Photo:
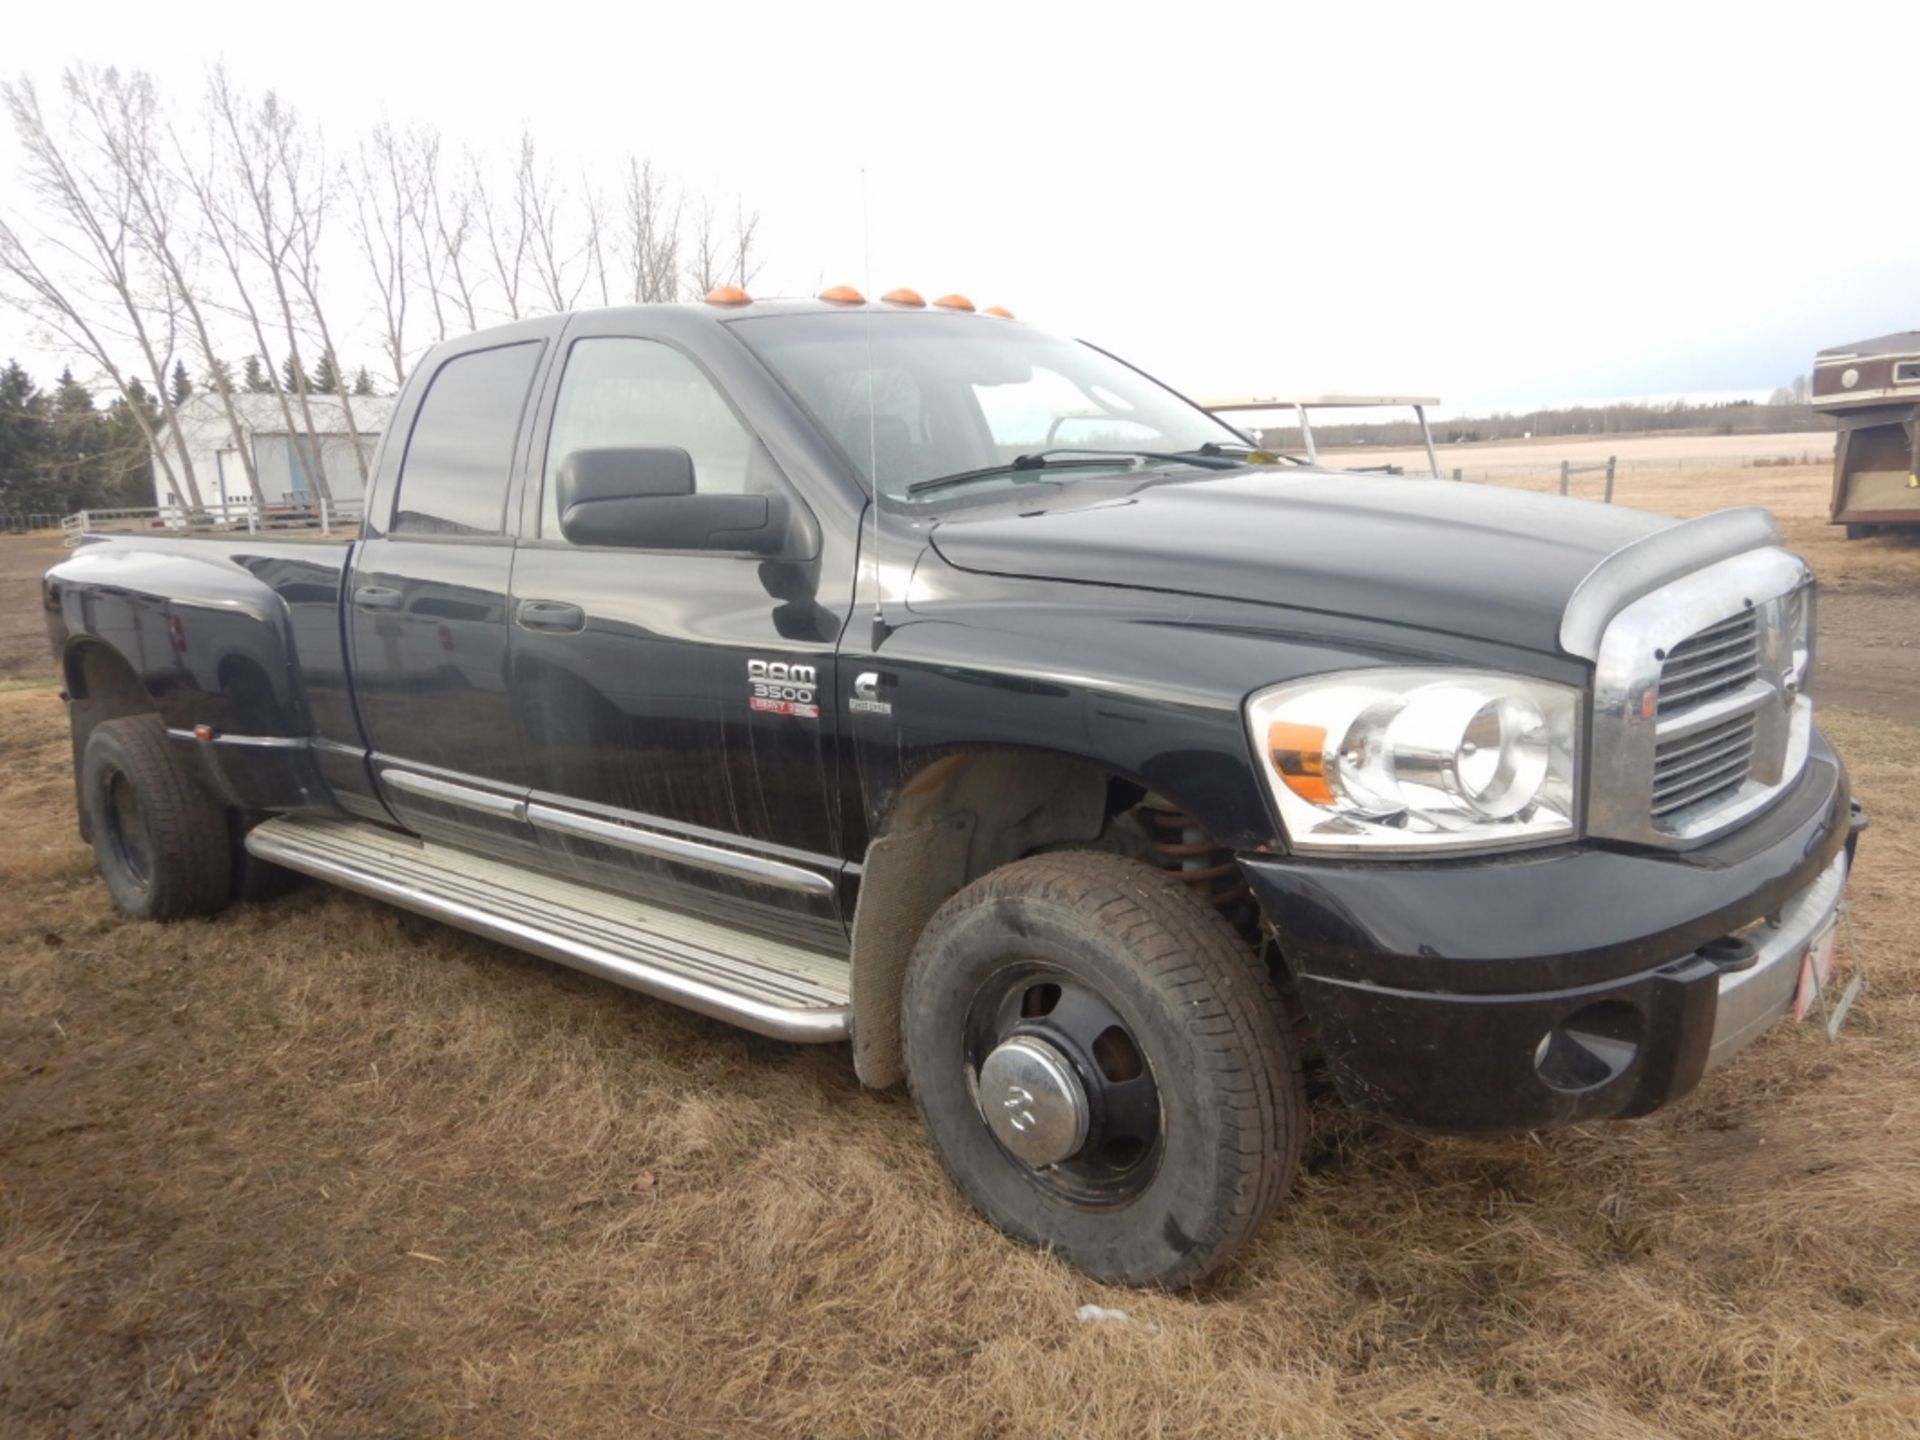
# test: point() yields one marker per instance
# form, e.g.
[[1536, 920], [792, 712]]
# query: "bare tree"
[[745, 226], [210, 183], [508, 227], [594, 248], [707, 266], [541, 206], [125, 113], [309, 189], [259, 142], [96, 212], [652, 234], [445, 226], [387, 202]]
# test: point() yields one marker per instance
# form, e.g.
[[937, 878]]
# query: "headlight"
[[1412, 760]]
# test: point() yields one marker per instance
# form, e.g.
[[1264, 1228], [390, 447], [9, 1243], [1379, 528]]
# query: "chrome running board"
[[762, 985]]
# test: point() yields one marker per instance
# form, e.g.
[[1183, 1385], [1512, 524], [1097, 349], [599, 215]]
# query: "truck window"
[[620, 392], [453, 480]]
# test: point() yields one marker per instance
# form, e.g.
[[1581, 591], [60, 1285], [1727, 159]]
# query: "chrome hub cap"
[[1033, 1102]]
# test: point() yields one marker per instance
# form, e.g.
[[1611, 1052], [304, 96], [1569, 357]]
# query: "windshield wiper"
[[1061, 458]]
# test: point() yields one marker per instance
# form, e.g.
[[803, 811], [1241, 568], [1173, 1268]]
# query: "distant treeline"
[[1734, 417]]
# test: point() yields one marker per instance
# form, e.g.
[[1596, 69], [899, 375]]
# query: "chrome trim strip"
[[426, 787], [1650, 562], [262, 742], [662, 846], [807, 1026], [1753, 998], [1717, 711]]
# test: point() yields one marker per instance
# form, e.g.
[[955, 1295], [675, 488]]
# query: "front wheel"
[[160, 839], [1101, 1065]]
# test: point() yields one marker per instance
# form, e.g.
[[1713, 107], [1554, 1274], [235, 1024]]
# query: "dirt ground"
[[321, 1168]]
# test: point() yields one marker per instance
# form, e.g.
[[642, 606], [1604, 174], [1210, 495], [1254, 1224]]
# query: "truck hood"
[[1466, 559]]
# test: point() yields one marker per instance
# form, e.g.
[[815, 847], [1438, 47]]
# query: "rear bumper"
[[1540, 990]]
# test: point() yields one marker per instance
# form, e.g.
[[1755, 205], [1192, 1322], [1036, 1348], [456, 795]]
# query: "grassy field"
[[324, 1168]]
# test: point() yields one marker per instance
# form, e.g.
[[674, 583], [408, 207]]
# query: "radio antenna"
[[880, 627]]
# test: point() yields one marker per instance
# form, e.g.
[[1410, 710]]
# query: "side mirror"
[[643, 498]]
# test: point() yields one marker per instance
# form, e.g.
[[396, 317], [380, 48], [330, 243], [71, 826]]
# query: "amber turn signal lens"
[[954, 302], [903, 296], [843, 295], [728, 295], [1299, 755]]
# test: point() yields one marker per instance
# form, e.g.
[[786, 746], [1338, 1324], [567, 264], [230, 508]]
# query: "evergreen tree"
[[23, 446], [77, 444], [326, 375], [128, 463], [219, 376], [293, 379], [182, 387], [362, 382], [255, 378]]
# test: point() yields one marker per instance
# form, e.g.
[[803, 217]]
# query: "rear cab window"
[[459, 457]]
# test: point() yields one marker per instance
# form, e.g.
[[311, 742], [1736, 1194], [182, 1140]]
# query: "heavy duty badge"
[[783, 689]]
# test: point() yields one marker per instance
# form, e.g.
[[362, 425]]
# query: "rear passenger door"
[[427, 601]]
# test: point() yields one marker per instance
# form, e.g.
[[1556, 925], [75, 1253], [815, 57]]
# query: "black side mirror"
[[643, 498]]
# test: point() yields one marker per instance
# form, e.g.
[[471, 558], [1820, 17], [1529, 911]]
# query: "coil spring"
[[1178, 843]]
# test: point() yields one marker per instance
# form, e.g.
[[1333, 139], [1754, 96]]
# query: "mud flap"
[[908, 876]]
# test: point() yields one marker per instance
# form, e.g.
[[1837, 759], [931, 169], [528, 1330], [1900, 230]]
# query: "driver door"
[[674, 704]]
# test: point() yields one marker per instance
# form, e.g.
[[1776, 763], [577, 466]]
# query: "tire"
[[1056, 945], [161, 841]]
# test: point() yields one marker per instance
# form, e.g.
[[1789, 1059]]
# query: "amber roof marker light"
[[728, 295], [903, 296], [953, 302], [1000, 311], [842, 295]]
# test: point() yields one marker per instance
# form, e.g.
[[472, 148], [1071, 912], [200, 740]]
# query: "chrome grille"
[[1707, 765], [1700, 717], [1715, 661]]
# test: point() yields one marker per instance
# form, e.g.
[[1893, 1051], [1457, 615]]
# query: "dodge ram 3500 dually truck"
[[902, 674]]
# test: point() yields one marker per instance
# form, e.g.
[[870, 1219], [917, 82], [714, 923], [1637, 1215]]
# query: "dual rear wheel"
[[167, 849]]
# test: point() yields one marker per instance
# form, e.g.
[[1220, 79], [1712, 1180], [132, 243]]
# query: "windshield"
[[952, 394]]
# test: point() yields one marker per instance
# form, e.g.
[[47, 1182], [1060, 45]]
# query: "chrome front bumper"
[[1752, 999]]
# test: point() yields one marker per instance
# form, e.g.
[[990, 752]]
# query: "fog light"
[[1591, 1047]]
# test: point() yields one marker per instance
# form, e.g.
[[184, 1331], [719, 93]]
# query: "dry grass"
[[322, 1168]]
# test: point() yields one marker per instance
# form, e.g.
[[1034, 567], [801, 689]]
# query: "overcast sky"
[[1505, 208]]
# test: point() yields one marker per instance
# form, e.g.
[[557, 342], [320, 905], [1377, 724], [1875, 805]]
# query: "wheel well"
[[954, 820], [101, 686]]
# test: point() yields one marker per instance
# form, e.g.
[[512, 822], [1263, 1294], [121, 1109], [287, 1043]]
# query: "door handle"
[[377, 597], [551, 615]]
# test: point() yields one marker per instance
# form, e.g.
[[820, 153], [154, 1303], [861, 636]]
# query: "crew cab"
[[904, 675]]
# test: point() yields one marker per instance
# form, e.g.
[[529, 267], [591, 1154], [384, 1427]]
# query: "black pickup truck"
[[899, 674]]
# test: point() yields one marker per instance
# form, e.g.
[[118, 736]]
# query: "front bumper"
[[1533, 990]]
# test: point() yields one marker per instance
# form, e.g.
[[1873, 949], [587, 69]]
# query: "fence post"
[[1566, 475], [323, 516], [1610, 462]]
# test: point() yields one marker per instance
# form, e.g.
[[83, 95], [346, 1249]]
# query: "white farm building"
[[284, 462]]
